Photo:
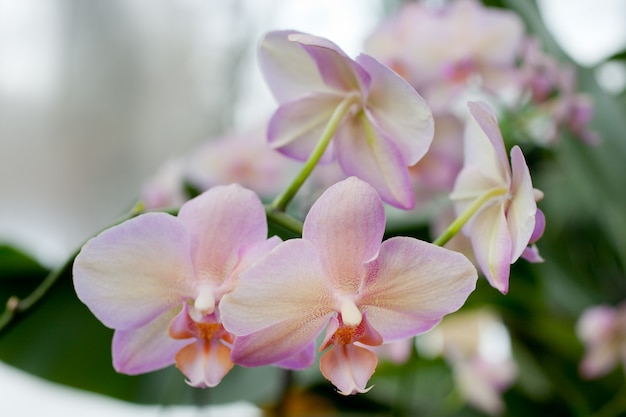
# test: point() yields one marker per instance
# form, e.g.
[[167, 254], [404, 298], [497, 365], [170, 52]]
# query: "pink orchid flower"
[[507, 221], [443, 49], [602, 329], [385, 128], [157, 280], [341, 276]]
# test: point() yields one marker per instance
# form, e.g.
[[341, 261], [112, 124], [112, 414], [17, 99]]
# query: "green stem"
[[281, 202], [16, 307], [284, 220], [464, 217]]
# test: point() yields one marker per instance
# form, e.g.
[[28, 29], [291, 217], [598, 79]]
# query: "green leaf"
[[15, 264]]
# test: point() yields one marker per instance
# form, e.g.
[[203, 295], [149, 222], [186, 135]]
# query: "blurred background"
[[96, 96]]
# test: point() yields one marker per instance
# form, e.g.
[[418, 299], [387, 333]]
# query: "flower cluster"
[[211, 287], [462, 48]]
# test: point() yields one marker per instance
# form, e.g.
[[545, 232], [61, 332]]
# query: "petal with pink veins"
[[130, 274], [346, 226], [296, 301], [221, 221], [412, 284]]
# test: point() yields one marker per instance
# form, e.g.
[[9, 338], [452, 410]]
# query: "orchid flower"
[[157, 280], [602, 329], [444, 49], [477, 346], [379, 123], [500, 196], [340, 275]]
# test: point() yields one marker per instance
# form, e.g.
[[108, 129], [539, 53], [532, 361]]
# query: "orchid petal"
[[599, 360], [348, 367], [296, 127], [346, 226], [282, 302], [412, 284], [204, 363], [284, 344], [288, 69], [484, 146], [146, 348], [363, 150], [531, 254], [331, 328], [523, 208], [398, 110], [131, 273], [222, 221], [182, 326], [492, 245], [251, 254], [471, 184], [300, 360], [248, 256], [540, 225], [337, 70]]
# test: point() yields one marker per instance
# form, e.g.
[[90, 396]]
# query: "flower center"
[[350, 313], [206, 331], [205, 302], [346, 335]]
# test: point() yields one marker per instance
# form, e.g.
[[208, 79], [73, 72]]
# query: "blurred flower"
[[434, 175], [441, 50], [602, 329], [341, 277], [167, 188], [243, 158], [477, 346], [502, 227], [384, 126], [235, 157], [157, 272], [553, 103], [397, 352]]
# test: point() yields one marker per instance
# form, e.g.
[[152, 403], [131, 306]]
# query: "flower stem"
[[284, 220], [281, 202], [464, 217], [16, 306]]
